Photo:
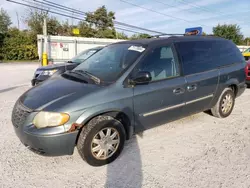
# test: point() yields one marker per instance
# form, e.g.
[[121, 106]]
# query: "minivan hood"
[[55, 93]]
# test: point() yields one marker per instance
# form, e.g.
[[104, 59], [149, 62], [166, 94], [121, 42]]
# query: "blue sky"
[[171, 16]]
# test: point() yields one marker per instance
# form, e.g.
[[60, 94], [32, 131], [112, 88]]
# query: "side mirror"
[[142, 77]]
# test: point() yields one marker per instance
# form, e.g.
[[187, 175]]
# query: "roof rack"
[[171, 35], [164, 34]]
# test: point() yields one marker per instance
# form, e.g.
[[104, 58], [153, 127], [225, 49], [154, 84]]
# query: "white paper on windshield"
[[136, 48]]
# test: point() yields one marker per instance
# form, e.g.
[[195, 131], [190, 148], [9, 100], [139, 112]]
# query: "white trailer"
[[62, 48], [243, 48]]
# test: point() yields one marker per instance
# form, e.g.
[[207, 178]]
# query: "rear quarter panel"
[[230, 75]]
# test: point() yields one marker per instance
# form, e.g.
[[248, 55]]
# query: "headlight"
[[50, 119], [49, 72]]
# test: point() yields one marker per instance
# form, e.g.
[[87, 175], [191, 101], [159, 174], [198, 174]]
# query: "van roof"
[[152, 41]]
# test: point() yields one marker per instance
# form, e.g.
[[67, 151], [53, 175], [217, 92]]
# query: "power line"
[[200, 7], [50, 2], [54, 5], [84, 14], [219, 13], [173, 6], [176, 18], [65, 15], [128, 30], [42, 9]]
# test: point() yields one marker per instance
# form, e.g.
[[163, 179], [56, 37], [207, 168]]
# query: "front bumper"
[[54, 141], [53, 145]]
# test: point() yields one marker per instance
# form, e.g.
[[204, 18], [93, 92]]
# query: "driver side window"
[[161, 63]]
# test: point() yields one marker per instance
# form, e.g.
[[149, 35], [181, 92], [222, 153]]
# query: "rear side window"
[[200, 56]]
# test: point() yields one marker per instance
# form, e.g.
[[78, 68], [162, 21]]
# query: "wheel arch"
[[233, 84], [117, 114]]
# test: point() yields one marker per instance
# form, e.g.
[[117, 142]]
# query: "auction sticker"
[[136, 48]]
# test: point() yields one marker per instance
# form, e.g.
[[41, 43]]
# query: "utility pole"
[[72, 22], [18, 26], [45, 33], [116, 34]]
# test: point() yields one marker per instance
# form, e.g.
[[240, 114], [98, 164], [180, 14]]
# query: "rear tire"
[[94, 136], [225, 104]]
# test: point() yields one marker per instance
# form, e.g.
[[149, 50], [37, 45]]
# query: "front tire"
[[225, 104], [101, 141]]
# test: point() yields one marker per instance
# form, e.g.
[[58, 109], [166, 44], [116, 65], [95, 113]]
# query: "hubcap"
[[105, 143], [227, 104]]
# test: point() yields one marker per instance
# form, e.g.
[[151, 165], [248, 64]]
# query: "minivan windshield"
[[81, 57], [110, 62]]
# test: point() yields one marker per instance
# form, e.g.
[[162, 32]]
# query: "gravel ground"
[[16, 74], [197, 151]]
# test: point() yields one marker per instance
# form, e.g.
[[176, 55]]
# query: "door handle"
[[178, 91], [192, 87]]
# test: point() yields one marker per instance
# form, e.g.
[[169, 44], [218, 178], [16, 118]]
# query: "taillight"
[[247, 68]]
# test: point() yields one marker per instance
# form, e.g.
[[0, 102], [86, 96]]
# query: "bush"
[[18, 45]]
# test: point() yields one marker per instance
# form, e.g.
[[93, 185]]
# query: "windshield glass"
[[109, 63], [79, 58], [247, 50]]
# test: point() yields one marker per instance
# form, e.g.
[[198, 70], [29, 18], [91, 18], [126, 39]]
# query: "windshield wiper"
[[91, 76], [69, 74]]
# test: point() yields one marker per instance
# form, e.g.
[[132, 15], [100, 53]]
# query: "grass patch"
[[19, 61]]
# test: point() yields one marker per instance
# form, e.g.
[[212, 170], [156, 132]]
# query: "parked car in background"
[[246, 54], [247, 69], [43, 73], [125, 88]]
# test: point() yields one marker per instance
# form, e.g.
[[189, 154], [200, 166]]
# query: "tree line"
[[16, 44]]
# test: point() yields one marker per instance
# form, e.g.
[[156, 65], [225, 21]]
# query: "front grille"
[[19, 114]]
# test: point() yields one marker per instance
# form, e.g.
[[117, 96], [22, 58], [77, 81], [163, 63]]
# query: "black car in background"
[[43, 73]]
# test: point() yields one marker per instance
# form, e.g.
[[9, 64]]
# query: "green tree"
[[140, 36], [65, 29], [5, 21], [246, 41], [35, 20], [121, 35], [86, 30], [99, 23], [101, 18], [231, 32]]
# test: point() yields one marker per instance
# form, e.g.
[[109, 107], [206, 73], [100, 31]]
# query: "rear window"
[[200, 56]]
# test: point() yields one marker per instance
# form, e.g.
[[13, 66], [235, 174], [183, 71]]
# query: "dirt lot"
[[198, 151]]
